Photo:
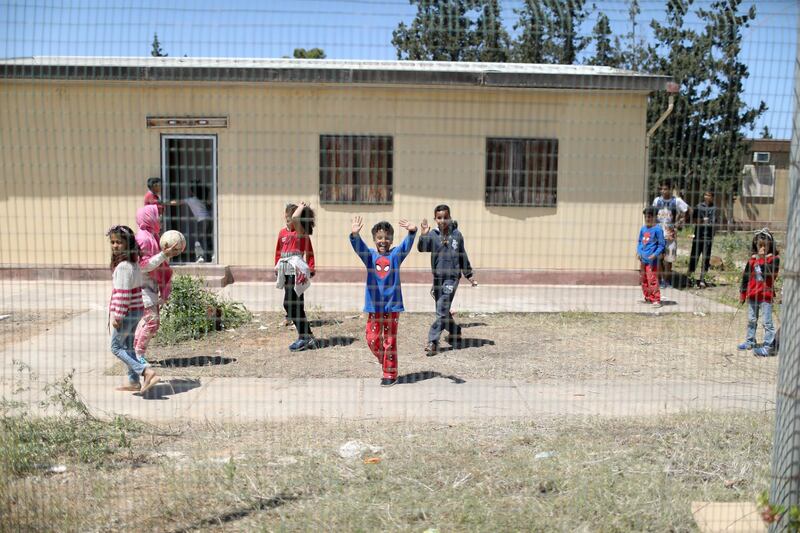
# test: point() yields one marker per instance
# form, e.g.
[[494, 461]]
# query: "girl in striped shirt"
[[126, 305]]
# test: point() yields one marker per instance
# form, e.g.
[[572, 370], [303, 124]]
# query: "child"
[[153, 194], [383, 295], [448, 262], [705, 215], [671, 215], [294, 265], [156, 285], [758, 279], [651, 246], [126, 304]]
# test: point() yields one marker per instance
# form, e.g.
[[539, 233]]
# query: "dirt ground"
[[526, 347], [21, 326]]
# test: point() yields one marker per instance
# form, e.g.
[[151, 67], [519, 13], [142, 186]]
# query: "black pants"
[[443, 292], [295, 307], [701, 244]]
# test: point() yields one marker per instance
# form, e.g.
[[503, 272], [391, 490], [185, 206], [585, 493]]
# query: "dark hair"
[[650, 211], [666, 183], [384, 226], [131, 251], [764, 235], [306, 220], [152, 181], [290, 208], [441, 207]]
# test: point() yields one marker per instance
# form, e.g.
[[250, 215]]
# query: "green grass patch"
[[193, 312]]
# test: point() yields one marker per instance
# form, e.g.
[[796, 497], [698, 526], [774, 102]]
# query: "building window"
[[759, 181], [355, 169], [521, 172]]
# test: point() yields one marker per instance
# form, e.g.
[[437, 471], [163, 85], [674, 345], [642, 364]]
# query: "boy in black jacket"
[[448, 262], [705, 216]]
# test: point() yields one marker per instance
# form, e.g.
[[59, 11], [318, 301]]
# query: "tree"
[[765, 133], [727, 113], [604, 52], [550, 31], [156, 50], [568, 18], [534, 44], [632, 46], [491, 40], [440, 31], [702, 143], [311, 53]]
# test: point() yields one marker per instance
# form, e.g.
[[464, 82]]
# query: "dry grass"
[[605, 475], [527, 347], [23, 325]]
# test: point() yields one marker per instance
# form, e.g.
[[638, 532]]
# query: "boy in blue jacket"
[[448, 262], [383, 295], [651, 246]]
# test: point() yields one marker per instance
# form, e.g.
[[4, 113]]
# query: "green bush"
[[192, 312]]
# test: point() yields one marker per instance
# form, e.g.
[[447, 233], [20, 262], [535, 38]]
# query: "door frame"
[[165, 176]]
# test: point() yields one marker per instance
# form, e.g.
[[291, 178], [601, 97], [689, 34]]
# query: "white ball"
[[171, 237]]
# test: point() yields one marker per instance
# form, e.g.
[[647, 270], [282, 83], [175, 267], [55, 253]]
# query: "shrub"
[[192, 312]]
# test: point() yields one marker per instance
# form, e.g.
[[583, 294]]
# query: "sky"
[[344, 29]]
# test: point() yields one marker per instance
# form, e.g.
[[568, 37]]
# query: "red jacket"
[[288, 241], [758, 278]]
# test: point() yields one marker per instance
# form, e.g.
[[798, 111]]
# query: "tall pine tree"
[[492, 42], [605, 53], [536, 28], [440, 31], [155, 49]]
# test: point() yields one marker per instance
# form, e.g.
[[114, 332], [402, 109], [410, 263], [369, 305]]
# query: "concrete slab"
[[730, 517]]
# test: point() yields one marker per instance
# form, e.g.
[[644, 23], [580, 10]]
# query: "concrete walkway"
[[349, 297], [82, 344]]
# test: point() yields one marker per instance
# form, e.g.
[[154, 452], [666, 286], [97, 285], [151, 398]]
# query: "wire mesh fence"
[[427, 265]]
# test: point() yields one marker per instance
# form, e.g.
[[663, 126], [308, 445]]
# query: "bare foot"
[[129, 388], [150, 379]]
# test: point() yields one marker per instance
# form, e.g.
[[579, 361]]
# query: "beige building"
[[764, 197], [542, 165]]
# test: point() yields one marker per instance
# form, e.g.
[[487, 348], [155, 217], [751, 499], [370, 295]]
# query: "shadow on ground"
[[422, 376], [170, 387], [464, 343], [335, 341], [197, 360]]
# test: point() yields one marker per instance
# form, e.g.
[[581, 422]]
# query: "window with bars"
[[355, 169], [521, 172]]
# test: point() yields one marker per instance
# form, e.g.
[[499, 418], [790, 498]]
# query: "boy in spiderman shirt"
[[651, 246], [383, 295]]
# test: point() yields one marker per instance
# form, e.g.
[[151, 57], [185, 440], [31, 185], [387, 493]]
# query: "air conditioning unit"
[[760, 157]]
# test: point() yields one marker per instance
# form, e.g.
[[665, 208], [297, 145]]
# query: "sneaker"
[[143, 361], [702, 284], [388, 382], [662, 284], [298, 346], [656, 305], [311, 343], [745, 346], [431, 349], [644, 302], [762, 351]]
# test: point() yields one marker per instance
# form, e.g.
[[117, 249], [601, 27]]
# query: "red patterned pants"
[[648, 275], [382, 340], [146, 330]]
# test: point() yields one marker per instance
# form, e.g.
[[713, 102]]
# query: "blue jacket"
[[651, 242], [383, 292], [448, 257]]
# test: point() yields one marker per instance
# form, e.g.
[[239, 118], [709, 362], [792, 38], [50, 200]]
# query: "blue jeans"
[[754, 309], [122, 345]]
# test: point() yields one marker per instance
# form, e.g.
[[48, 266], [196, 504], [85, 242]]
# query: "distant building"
[[543, 165], [764, 198]]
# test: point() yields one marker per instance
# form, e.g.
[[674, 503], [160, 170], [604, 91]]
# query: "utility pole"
[[785, 487]]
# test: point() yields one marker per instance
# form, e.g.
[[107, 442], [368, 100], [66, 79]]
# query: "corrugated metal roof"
[[517, 75]]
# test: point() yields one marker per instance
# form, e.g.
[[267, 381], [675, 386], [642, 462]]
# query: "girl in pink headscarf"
[[157, 284]]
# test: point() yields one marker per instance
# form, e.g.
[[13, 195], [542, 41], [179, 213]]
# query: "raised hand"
[[424, 227], [411, 228], [358, 223]]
